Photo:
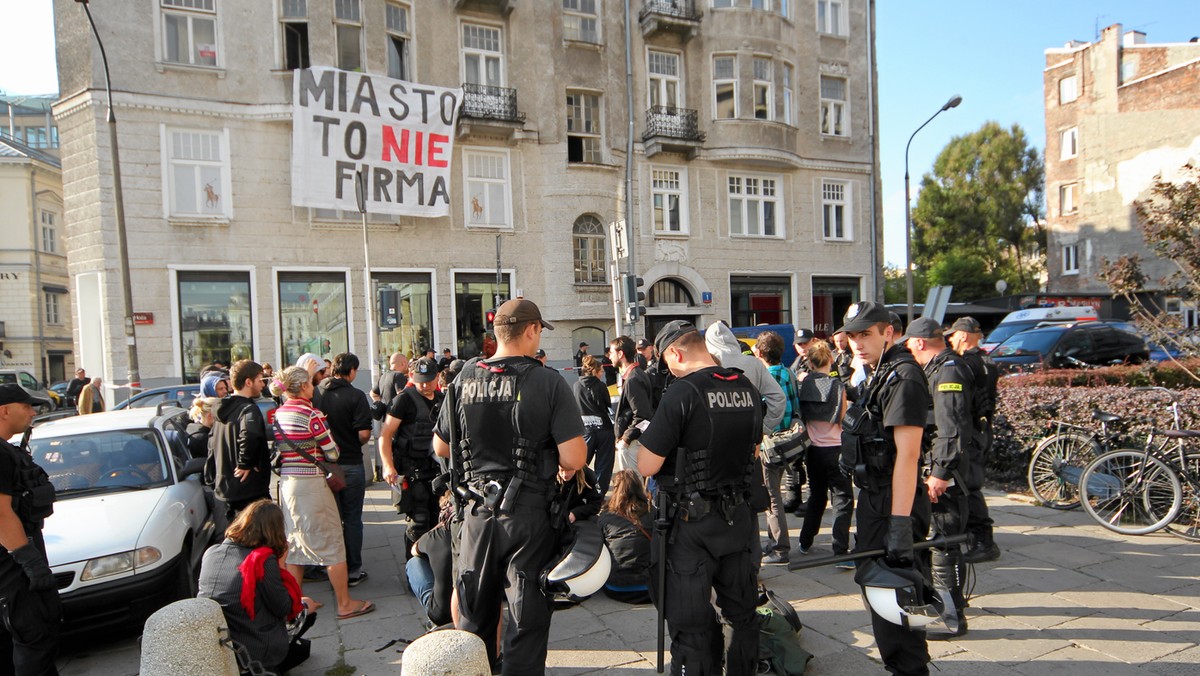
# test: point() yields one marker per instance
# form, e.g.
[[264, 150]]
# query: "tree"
[[983, 201], [895, 289], [967, 274], [1170, 223]]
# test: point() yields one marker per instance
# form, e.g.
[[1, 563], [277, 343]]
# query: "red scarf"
[[252, 572]]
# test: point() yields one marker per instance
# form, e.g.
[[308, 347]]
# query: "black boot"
[[948, 576]]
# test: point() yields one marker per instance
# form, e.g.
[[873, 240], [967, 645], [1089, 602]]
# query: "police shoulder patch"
[[950, 387]]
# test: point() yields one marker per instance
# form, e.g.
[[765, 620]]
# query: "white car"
[[131, 521]]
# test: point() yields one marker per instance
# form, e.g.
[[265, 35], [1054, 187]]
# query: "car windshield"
[[1029, 343], [109, 461], [7, 378], [1005, 331]]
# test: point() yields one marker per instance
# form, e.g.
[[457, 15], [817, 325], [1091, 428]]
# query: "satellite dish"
[[1001, 286]]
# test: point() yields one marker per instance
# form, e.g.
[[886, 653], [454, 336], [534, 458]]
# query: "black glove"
[[899, 543], [36, 567]]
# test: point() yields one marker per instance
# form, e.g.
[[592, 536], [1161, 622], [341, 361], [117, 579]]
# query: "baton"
[[661, 526], [939, 541]]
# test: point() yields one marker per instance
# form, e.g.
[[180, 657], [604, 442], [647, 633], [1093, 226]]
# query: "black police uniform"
[[511, 414], [707, 428], [986, 376], [896, 395], [29, 634], [843, 366], [412, 455], [952, 435]]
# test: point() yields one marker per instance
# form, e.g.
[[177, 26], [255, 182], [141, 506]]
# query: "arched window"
[[669, 292], [587, 240]]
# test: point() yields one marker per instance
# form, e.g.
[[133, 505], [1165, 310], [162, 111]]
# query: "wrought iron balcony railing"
[[679, 9], [490, 103], [675, 123]]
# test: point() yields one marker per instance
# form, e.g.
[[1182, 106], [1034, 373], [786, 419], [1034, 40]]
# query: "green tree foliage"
[[895, 289], [1170, 223], [983, 202]]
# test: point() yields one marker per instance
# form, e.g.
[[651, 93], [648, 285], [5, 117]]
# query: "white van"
[[1016, 322]]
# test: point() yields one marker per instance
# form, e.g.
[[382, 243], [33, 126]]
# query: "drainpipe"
[[39, 292], [629, 229], [873, 135]]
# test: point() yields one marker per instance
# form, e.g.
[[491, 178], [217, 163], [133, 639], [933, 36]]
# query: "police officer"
[[843, 358], [32, 612], [701, 446], [965, 338], [952, 435], [515, 424], [803, 338], [881, 448], [406, 448]]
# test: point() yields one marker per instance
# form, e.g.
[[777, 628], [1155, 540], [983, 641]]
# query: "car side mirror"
[[193, 466]]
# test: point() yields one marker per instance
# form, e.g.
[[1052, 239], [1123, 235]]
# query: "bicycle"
[[1057, 462], [1137, 492]]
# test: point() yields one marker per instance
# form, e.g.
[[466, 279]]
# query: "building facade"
[[1119, 112], [754, 179]]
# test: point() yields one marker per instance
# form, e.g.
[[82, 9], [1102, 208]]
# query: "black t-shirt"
[[904, 397], [348, 412], [9, 464], [76, 386], [722, 413]]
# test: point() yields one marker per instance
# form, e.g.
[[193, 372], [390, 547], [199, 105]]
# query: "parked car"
[[1023, 320], [1064, 346], [184, 394], [131, 521], [30, 384]]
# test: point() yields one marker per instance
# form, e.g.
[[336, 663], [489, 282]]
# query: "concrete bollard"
[[184, 638], [448, 652]]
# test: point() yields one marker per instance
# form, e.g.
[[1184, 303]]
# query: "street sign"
[[143, 318], [706, 297], [618, 240], [936, 301]]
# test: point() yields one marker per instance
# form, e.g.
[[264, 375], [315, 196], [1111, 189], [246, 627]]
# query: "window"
[[833, 107], [52, 315], [668, 199], [49, 232], [197, 174], [485, 174], [588, 241], [753, 205], [312, 314], [665, 85], [190, 32], [835, 209], [1071, 259], [1070, 143], [831, 17], [295, 34], [760, 300], [483, 60], [583, 128], [581, 20], [1068, 89], [347, 21], [413, 332], [397, 42], [474, 295], [215, 311], [1068, 200], [725, 87], [760, 4], [764, 99], [668, 292], [722, 4], [785, 8], [789, 106]]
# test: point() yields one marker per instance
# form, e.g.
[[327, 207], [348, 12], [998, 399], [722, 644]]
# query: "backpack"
[[779, 646]]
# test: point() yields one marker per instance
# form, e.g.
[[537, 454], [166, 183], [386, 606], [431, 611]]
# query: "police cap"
[[643, 343], [424, 370], [519, 310], [673, 331], [804, 335], [924, 327], [13, 393], [539, 354], [862, 316], [967, 324]]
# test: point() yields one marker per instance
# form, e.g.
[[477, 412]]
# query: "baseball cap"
[[582, 344], [520, 310], [924, 327], [311, 362], [454, 368], [862, 316], [968, 324], [539, 354], [643, 343], [804, 335], [424, 370], [13, 393], [673, 331]]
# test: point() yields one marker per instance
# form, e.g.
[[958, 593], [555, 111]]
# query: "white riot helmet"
[[898, 595], [583, 566]]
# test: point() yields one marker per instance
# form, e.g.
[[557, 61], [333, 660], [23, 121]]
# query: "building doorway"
[[831, 296]]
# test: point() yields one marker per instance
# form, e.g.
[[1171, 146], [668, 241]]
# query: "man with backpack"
[[769, 348]]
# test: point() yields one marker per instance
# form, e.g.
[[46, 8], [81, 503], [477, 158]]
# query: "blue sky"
[[990, 53]]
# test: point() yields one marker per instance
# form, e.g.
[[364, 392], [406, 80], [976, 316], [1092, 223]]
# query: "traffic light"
[[490, 317], [389, 308], [634, 296]]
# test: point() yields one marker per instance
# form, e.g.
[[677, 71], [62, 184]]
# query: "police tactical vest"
[[734, 412], [418, 433], [33, 494], [866, 452]]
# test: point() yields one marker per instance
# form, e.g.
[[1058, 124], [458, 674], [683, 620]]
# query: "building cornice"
[[781, 159], [259, 112]]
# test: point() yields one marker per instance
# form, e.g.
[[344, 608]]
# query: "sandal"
[[365, 608], [311, 603]]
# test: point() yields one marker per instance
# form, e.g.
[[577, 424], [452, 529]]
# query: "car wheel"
[[185, 579]]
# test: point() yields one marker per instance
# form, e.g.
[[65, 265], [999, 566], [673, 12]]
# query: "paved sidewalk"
[[1067, 597]]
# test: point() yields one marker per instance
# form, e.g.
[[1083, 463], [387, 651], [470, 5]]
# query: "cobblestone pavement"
[[1067, 597]]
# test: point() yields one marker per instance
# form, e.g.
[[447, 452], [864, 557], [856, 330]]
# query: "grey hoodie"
[[723, 345]]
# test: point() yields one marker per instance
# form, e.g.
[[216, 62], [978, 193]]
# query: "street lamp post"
[[119, 205], [908, 266]]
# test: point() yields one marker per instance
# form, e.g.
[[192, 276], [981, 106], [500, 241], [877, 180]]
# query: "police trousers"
[[420, 504], [500, 559], [905, 652], [32, 621], [705, 556], [979, 522]]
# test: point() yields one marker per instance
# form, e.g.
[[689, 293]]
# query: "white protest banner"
[[399, 134]]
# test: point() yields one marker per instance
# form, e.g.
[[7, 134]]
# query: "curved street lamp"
[[908, 266]]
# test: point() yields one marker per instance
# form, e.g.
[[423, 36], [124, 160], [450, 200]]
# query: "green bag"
[[779, 644]]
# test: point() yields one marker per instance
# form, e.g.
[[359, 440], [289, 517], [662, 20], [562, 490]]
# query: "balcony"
[[672, 130], [670, 16], [488, 108], [502, 6]]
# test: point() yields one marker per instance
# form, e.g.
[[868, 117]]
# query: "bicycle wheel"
[[1056, 465], [1117, 486], [1186, 523]]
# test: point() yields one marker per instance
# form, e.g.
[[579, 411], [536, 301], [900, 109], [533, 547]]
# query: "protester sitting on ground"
[[581, 496], [430, 567], [202, 413], [245, 575], [626, 523], [822, 405], [314, 525]]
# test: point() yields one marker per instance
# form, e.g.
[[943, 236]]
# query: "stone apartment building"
[[1119, 111], [35, 305], [754, 171]]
